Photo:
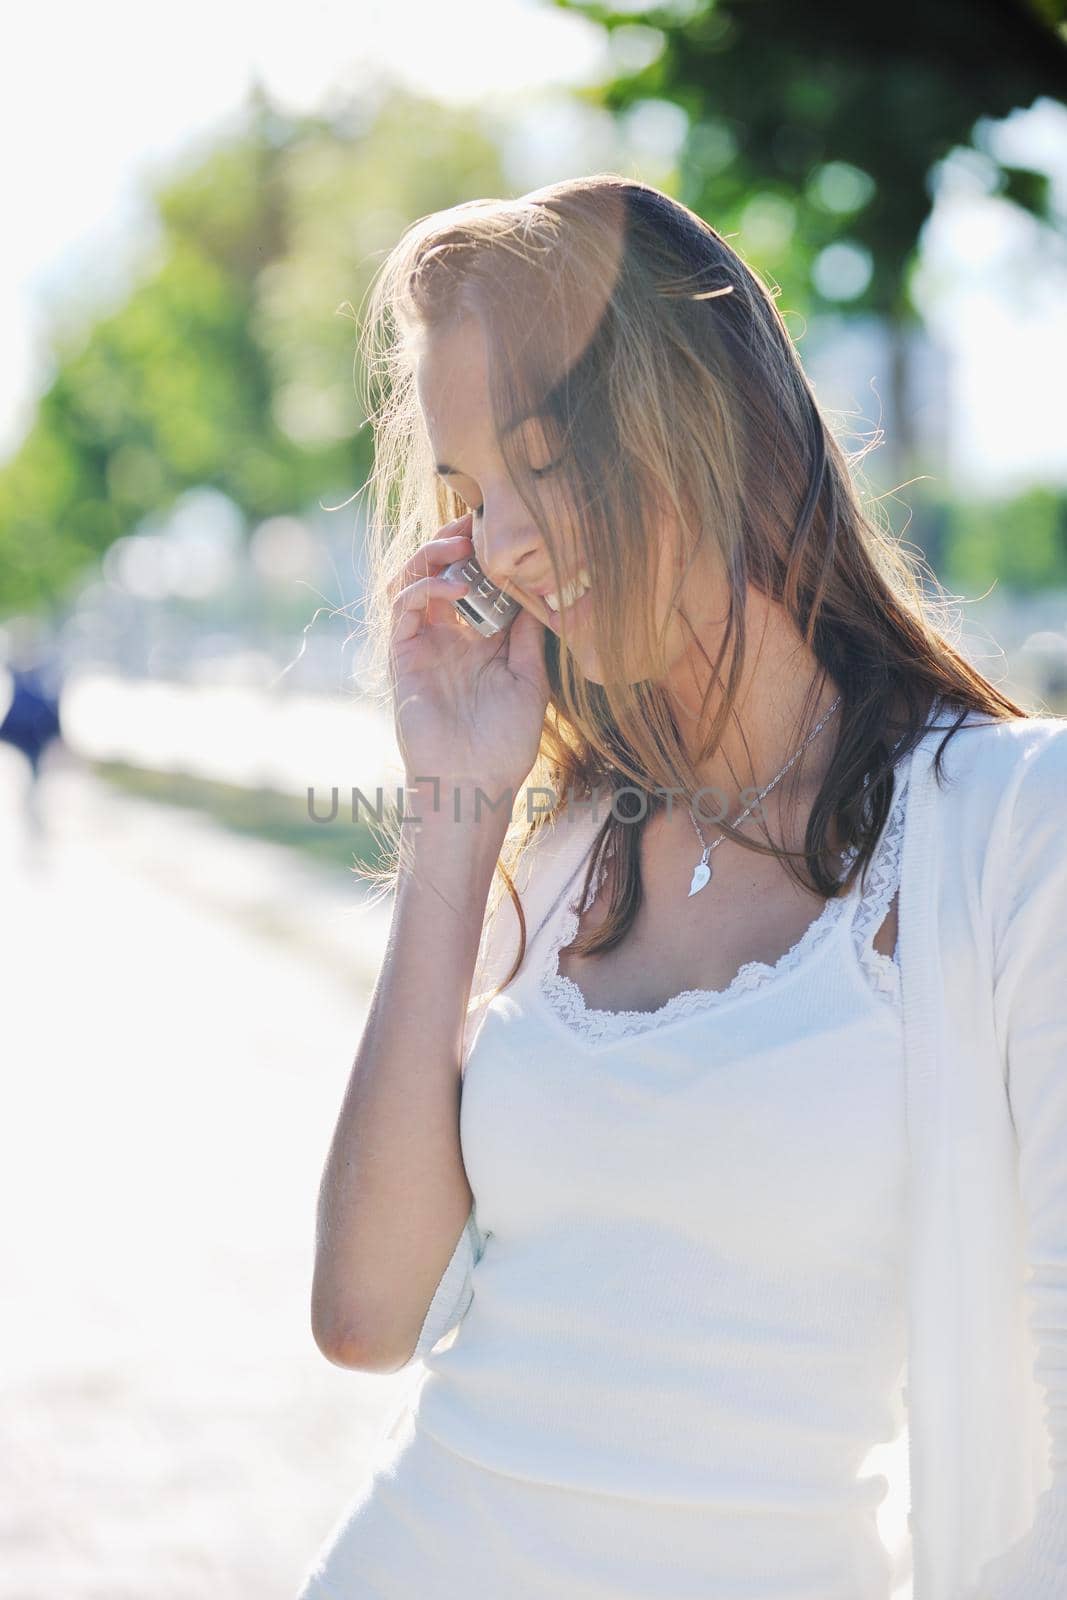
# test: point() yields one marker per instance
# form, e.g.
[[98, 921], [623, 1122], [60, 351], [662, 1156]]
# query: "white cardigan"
[[982, 949], [983, 956]]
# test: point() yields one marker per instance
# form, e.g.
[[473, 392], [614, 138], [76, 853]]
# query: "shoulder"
[[993, 764], [991, 806], [560, 845], [993, 822], [1035, 837], [1008, 813], [545, 866]]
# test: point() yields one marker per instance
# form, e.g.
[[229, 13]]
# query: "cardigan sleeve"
[[1030, 990], [454, 1291]]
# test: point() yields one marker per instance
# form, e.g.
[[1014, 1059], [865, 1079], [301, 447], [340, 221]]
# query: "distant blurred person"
[[30, 721]]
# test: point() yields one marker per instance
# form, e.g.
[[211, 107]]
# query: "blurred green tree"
[[1019, 541], [815, 130]]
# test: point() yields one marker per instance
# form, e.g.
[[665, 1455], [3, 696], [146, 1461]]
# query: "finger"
[[447, 546], [526, 648], [412, 606]]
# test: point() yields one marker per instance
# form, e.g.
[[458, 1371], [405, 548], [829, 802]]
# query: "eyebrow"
[[445, 471]]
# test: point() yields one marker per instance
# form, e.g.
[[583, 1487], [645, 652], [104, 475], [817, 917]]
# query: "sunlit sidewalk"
[[181, 1010]]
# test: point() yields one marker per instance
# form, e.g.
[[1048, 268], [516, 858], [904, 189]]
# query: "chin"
[[588, 663], [586, 658], [590, 667]]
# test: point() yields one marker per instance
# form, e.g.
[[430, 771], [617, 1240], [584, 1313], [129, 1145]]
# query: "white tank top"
[[691, 1287]]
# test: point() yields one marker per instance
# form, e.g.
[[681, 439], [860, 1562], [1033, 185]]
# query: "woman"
[[731, 1161]]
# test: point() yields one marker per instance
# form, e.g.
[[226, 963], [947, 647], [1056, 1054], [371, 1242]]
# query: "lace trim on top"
[[883, 880], [873, 896]]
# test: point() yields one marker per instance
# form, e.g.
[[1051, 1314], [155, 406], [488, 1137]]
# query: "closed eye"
[[538, 472]]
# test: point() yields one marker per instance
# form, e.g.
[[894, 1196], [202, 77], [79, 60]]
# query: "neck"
[[783, 693]]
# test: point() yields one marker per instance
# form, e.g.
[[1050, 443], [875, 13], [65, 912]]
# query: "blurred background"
[[196, 202]]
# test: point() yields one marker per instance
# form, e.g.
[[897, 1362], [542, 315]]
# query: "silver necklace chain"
[[702, 870]]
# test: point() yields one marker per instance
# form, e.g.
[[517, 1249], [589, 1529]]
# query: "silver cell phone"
[[484, 606]]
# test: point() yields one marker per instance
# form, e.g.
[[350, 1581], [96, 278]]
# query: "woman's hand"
[[467, 708]]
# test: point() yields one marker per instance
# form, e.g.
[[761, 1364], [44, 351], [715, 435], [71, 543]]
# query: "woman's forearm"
[[394, 1196]]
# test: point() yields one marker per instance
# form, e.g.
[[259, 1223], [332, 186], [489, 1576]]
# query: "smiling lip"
[[575, 612], [550, 588]]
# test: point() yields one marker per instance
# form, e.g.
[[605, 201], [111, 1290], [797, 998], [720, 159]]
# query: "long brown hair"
[[664, 369]]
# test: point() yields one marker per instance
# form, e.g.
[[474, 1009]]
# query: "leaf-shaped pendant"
[[701, 874]]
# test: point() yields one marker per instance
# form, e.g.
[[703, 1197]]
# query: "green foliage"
[[1019, 543], [814, 127]]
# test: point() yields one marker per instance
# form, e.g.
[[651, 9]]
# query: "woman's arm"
[[394, 1198], [1031, 1005], [453, 1295]]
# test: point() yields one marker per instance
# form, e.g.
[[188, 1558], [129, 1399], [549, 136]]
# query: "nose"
[[510, 547]]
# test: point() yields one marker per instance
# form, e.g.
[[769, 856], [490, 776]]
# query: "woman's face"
[[453, 389]]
